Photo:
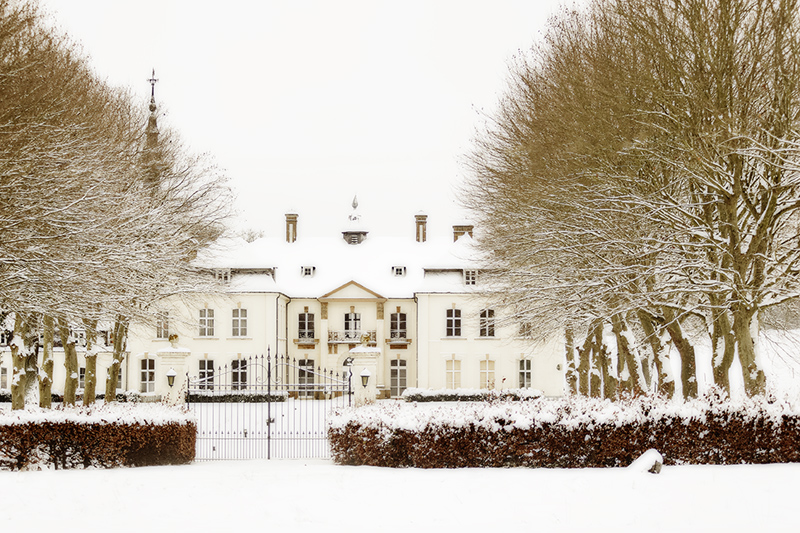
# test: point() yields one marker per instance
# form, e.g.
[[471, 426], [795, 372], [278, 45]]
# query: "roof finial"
[[153, 81], [355, 202]]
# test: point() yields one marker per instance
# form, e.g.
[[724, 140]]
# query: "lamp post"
[[365, 374]]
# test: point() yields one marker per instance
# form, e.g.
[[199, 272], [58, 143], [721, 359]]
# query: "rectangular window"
[[487, 323], [3, 378], [470, 277], [525, 373], [397, 377], [305, 377], [453, 374], [487, 374], [352, 325], [397, 325], [307, 271], [206, 322], [119, 379], [453, 323], [239, 374], [206, 374], [148, 375], [162, 325], [82, 378], [525, 330], [399, 271], [239, 323], [305, 326]]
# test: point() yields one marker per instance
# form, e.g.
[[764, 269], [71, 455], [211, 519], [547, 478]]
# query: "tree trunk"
[[46, 375], [665, 382], [90, 387], [686, 351], [745, 322], [635, 379], [70, 362], [120, 344], [18, 357], [572, 371], [723, 349], [584, 365]]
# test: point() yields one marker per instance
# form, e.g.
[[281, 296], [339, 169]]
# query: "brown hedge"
[[716, 438], [68, 444]]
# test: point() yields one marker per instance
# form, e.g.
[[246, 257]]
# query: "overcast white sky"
[[306, 103]]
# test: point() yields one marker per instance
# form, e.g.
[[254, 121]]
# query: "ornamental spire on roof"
[[354, 234], [152, 122]]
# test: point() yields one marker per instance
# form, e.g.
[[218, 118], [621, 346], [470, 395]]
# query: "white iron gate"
[[263, 407]]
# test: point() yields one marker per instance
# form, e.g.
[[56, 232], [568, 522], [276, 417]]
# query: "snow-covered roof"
[[273, 265]]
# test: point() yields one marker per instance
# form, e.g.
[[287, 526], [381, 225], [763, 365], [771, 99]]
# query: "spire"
[[152, 122]]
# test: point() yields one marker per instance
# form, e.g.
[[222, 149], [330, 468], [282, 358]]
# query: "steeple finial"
[[153, 80], [355, 202]]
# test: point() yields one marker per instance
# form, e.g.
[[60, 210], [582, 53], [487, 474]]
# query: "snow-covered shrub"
[[566, 433], [469, 395], [242, 396], [103, 436]]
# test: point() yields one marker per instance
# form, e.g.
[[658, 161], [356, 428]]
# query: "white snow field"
[[316, 495]]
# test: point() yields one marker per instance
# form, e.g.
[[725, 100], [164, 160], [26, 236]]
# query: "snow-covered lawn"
[[308, 495]]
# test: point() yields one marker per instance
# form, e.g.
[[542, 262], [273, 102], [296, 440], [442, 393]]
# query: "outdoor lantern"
[[365, 374], [171, 377]]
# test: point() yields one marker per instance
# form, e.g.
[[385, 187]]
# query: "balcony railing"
[[351, 336], [398, 336]]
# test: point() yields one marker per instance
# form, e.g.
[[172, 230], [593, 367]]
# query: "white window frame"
[[147, 375], [525, 374], [82, 377], [206, 323], [162, 325], [487, 373], [452, 373], [470, 277], [398, 380], [453, 322], [308, 271], [487, 323], [352, 325], [398, 325], [3, 378], [239, 374], [206, 374], [239, 322], [399, 271], [305, 326]]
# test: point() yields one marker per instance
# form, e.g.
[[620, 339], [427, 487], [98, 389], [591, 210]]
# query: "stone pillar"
[[175, 358], [365, 361]]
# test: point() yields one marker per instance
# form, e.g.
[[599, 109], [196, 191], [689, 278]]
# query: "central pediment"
[[352, 291]]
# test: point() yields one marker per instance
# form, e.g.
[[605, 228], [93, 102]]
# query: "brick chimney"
[[291, 227], [422, 227], [458, 231]]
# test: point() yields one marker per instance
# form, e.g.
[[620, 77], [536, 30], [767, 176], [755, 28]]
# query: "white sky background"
[[306, 103]]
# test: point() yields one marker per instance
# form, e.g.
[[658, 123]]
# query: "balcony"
[[351, 337], [398, 338], [306, 338]]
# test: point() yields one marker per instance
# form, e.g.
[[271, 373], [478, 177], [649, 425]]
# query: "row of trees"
[[643, 174], [100, 216]]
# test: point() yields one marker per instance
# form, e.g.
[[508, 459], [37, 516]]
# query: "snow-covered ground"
[[316, 495]]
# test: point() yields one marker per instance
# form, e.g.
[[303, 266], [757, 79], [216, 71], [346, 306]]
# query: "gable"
[[352, 291]]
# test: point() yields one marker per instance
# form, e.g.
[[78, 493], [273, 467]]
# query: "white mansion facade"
[[314, 299]]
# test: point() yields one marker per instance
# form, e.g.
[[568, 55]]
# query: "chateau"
[[314, 299]]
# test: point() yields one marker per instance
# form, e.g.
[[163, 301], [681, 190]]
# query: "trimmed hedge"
[[70, 439], [557, 435], [236, 397], [469, 395]]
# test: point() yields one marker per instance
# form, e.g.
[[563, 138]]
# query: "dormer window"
[[470, 277], [223, 275], [399, 271], [307, 271]]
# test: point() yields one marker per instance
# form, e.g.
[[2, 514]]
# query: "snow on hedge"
[[113, 413], [568, 411]]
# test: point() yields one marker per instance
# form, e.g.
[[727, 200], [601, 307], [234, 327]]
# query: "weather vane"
[[153, 81]]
